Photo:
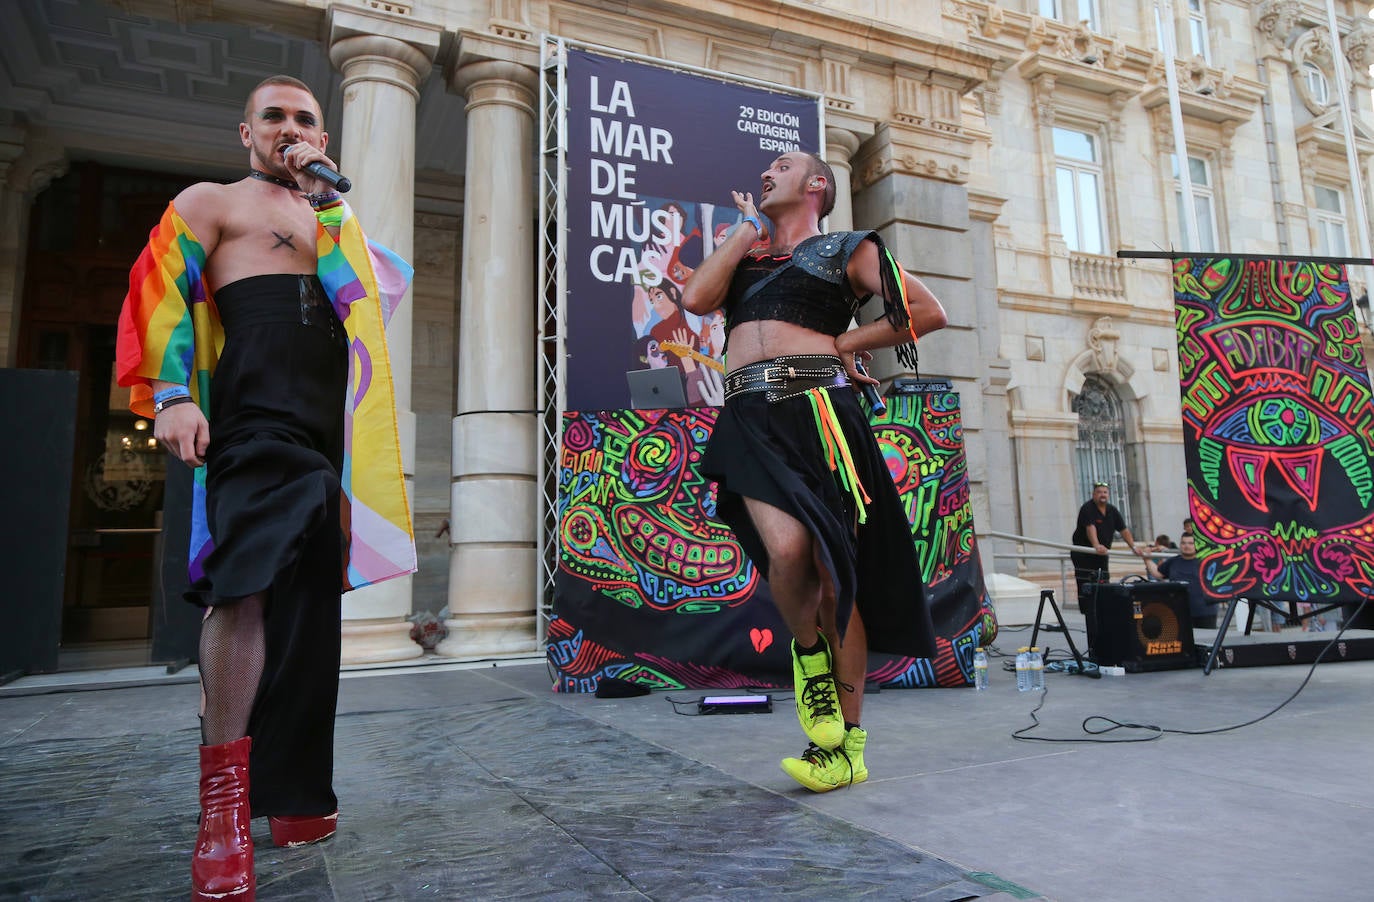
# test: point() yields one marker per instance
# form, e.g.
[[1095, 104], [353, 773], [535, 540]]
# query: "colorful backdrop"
[[652, 588], [1278, 429]]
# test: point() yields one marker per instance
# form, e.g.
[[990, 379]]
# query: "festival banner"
[[652, 588], [1278, 429], [652, 157]]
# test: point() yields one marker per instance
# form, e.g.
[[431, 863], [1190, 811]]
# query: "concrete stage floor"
[[463, 782]]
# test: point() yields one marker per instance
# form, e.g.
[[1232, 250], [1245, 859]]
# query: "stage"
[[478, 782]]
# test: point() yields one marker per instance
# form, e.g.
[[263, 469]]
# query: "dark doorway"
[[86, 231]]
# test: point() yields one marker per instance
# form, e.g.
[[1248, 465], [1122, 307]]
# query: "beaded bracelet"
[[175, 391]]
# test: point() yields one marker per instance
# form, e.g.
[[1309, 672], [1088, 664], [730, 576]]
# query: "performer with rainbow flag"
[[254, 334], [802, 481]]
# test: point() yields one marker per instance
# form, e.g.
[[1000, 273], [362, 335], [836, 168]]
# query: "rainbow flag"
[[169, 329]]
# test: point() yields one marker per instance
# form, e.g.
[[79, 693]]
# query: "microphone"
[[337, 180], [876, 405]]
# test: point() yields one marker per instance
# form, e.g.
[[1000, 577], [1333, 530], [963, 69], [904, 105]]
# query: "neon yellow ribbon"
[[837, 454]]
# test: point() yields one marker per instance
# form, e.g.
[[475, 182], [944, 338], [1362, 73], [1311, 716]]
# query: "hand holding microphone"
[[876, 405], [319, 170]]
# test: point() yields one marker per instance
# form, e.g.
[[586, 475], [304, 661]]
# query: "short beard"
[[273, 166]]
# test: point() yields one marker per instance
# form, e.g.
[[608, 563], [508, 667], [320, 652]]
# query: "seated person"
[[1185, 568]]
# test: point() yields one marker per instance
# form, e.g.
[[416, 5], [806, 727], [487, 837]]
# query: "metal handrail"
[[1062, 547]]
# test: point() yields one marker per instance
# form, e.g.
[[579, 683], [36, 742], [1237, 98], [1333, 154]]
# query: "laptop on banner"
[[656, 389]]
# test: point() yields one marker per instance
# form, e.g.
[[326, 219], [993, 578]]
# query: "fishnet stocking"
[[232, 651]]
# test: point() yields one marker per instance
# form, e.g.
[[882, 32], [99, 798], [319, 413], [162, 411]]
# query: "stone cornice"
[[1168, 432], [985, 206], [1323, 138], [911, 148], [1206, 93], [1043, 424], [476, 46], [1101, 69], [789, 26], [348, 20]]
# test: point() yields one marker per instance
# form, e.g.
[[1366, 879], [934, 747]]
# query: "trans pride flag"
[[169, 329]]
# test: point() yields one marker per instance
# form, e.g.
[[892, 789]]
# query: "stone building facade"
[[1005, 151]]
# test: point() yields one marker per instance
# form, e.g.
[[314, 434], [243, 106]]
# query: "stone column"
[[840, 144], [383, 59], [29, 161], [493, 576]]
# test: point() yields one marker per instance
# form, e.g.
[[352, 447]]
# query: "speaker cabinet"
[[1142, 626]]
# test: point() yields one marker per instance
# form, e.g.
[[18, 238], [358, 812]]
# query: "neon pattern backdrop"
[[652, 588], [1278, 429]]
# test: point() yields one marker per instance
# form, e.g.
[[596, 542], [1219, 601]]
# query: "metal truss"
[[552, 357]]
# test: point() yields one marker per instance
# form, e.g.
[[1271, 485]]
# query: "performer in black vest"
[[802, 481]]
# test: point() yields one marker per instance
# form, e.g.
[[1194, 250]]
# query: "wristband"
[[176, 391], [331, 214], [323, 199], [160, 406], [754, 221]]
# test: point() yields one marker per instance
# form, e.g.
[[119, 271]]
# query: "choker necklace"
[[262, 176]]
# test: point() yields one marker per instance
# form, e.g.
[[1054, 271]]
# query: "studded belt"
[[786, 377]]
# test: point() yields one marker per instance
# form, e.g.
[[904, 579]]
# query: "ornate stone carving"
[[1275, 21], [1117, 102], [1359, 50], [994, 22], [41, 162], [1102, 340], [1308, 152], [990, 94], [1042, 88], [1080, 43], [1226, 154], [1314, 46]]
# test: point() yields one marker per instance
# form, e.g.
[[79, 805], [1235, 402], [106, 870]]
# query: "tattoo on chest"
[[283, 240]]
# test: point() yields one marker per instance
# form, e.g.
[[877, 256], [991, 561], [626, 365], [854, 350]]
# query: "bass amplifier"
[[1142, 626]]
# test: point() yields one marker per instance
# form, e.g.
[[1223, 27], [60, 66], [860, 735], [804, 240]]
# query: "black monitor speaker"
[[1142, 626]]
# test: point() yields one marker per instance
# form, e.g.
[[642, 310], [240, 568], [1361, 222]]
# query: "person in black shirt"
[[1098, 523]]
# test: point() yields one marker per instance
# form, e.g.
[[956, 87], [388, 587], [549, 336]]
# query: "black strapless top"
[[795, 296]]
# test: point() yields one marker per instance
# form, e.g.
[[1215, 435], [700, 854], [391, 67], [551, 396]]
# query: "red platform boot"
[[222, 864], [300, 830]]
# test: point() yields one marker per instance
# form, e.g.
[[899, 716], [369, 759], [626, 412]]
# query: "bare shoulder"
[[863, 268], [202, 206]]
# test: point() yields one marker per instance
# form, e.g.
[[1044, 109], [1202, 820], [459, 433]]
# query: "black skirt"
[[273, 504], [773, 453]]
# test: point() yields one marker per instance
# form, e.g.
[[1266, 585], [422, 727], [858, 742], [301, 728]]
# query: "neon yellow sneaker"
[[818, 699], [821, 770]]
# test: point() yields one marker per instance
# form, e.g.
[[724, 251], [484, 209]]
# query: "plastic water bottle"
[[980, 669], [1023, 678], [1037, 669]]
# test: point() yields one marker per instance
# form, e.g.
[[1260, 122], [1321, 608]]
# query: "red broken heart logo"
[[762, 638]]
